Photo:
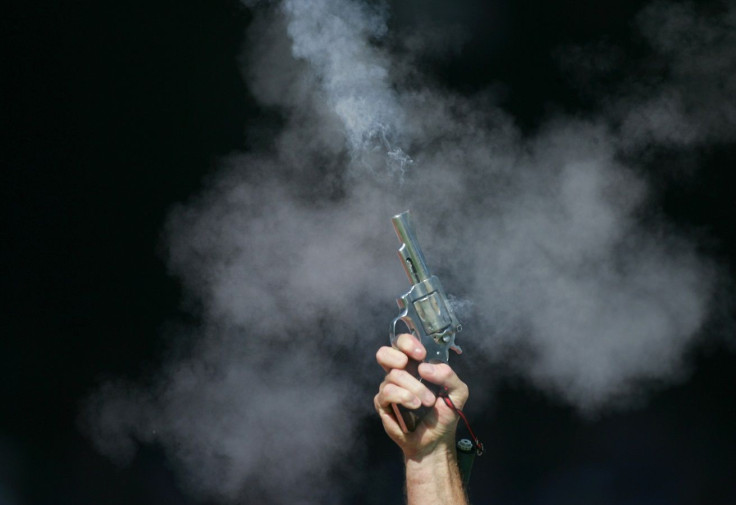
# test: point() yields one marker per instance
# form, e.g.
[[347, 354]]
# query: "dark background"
[[113, 112]]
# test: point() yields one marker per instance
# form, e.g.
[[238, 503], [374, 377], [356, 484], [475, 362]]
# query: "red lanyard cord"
[[448, 401]]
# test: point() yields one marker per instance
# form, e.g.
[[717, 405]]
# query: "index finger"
[[405, 347], [389, 358], [411, 346]]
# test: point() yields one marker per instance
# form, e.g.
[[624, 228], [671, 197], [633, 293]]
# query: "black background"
[[113, 112]]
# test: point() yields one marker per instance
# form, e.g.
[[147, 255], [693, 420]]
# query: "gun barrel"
[[410, 253]]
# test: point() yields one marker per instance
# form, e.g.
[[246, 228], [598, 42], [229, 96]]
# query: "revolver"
[[425, 311]]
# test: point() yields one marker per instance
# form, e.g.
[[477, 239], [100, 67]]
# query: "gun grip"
[[409, 419]]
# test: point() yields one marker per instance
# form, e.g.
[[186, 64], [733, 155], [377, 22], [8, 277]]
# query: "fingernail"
[[415, 402], [429, 369], [417, 352]]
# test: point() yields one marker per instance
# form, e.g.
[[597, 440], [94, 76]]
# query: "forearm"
[[434, 479]]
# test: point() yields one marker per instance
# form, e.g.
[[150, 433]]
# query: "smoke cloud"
[[564, 273]]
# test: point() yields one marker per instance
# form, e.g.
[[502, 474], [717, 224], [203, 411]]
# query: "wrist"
[[430, 468], [436, 452], [432, 477]]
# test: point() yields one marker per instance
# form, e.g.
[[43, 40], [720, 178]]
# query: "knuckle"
[[444, 372], [388, 389], [405, 342], [406, 395], [389, 357], [396, 375], [396, 394], [381, 354], [381, 387]]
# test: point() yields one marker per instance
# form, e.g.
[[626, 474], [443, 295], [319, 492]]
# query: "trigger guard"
[[392, 330]]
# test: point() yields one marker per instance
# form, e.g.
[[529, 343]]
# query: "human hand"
[[437, 429]]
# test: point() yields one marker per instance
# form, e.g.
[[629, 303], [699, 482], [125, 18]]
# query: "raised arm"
[[432, 476]]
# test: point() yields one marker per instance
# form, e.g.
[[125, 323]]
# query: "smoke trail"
[[290, 255], [334, 38]]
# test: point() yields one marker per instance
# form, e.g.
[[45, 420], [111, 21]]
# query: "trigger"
[[456, 348]]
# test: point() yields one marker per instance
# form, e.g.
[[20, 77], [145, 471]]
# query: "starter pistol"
[[426, 312]]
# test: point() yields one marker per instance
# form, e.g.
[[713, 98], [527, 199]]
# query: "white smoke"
[[290, 255], [694, 51]]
